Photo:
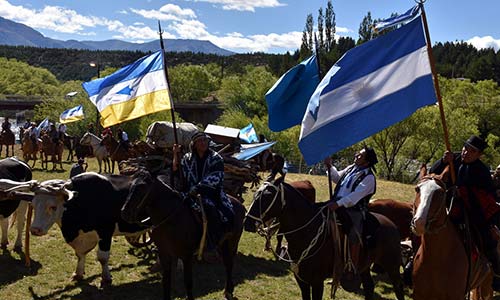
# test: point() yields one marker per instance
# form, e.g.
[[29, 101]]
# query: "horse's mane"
[[299, 194]]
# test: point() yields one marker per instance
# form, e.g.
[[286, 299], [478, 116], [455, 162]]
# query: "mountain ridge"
[[17, 34]]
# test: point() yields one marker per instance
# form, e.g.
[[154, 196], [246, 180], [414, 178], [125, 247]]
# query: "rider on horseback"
[[203, 174], [6, 126], [477, 194], [355, 186]]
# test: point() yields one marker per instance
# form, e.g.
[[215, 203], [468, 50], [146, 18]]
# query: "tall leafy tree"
[[365, 29], [307, 38], [329, 27], [321, 40]]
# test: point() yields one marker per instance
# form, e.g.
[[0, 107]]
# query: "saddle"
[[370, 226]]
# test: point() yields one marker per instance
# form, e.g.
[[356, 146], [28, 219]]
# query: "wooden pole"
[[172, 109], [436, 86], [27, 258]]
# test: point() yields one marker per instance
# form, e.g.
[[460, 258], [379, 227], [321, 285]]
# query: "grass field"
[[257, 274]]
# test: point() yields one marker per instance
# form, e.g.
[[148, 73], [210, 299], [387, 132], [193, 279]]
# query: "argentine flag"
[[72, 115], [248, 134], [373, 86], [131, 92]]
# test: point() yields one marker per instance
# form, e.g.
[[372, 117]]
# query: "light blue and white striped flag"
[[373, 86], [393, 21], [248, 134], [45, 124], [72, 115]]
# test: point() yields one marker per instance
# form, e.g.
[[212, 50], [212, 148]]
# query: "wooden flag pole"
[[172, 109], [436, 85]]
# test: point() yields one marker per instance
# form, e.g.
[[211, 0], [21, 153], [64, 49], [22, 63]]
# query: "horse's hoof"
[[77, 277], [18, 248], [3, 246], [106, 282]]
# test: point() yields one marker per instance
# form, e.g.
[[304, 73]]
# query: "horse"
[[117, 152], [99, 150], [54, 150], [441, 265], [30, 148], [176, 231], [7, 138], [69, 143], [311, 244]]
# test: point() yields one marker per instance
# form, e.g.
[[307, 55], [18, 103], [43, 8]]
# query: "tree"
[[365, 29], [307, 38], [329, 27], [321, 40]]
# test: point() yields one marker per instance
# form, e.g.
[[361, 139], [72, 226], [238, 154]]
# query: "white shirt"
[[364, 188]]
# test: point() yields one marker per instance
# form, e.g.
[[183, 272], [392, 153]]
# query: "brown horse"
[[311, 244], [176, 231], [30, 147], [54, 150], [7, 138], [117, 152], [440, 267]]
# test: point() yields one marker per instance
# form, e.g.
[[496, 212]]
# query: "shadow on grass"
[[207, 278], [16, 267]]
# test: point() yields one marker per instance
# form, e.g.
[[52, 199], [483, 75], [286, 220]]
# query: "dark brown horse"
[[7, 138], [69, 142], [117, 152], [176, 232], [441, 265], [311, 244]]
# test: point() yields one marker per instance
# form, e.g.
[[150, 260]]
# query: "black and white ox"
[[12, 171], [87, 209]]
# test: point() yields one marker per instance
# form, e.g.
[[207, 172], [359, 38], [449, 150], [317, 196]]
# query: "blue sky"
[[243, 25]]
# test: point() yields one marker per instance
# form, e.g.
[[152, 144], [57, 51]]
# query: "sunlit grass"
[[257, 274]]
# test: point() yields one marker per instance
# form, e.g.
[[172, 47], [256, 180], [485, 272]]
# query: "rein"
[[164, 220]]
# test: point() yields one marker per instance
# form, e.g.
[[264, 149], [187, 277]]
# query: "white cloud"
[[244, 5], [485, 42], [169, 12]]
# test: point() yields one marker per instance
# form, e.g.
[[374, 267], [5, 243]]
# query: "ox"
[[12, 169], [87, 209]]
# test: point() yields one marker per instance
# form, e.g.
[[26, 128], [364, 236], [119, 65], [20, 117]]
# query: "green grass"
[[257, 274]]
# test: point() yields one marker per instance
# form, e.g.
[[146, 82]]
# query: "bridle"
[[431, 220], [279, 191], [268, 233]]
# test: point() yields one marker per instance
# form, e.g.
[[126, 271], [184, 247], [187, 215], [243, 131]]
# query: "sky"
[[242, 26]]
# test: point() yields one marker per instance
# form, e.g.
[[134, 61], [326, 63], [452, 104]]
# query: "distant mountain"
[[17, 34]]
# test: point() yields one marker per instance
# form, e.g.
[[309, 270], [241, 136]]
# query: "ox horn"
[[7, 185]]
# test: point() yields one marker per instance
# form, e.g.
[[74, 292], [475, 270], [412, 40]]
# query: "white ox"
[[83, 222]]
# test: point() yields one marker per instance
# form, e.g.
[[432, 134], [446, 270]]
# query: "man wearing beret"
[[355, 185], [477, 194]]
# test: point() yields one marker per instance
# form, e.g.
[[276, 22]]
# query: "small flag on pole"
[[72, 115], [287, 99], [248, 134], [44, 125], [373, 86], [131, 92]]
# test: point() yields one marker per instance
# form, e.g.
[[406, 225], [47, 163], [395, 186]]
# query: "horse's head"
[[138, 198], [430, 203], [268, 202]]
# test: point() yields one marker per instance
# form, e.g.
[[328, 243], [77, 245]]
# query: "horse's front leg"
[[187, 263], [166, 266], [305, 288], [368, 285], [317, 291], [227, 258]]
